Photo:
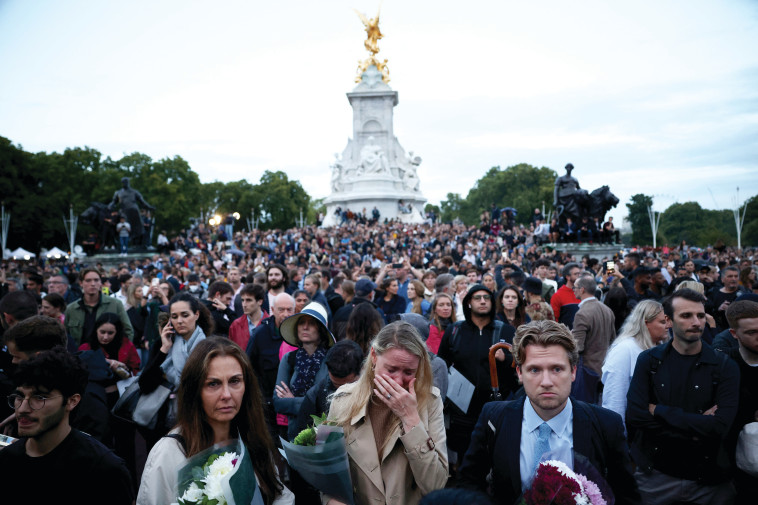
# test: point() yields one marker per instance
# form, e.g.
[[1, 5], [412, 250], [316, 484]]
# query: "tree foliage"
[[639, 218], [521, 186], [39, 188]]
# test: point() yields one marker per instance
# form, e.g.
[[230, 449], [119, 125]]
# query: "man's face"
[[689, 320], [56, 285], [91, 283], [481, 303], [689, 266], [301, 300], [250, 305], [18, 356], [283, 309], [730, 280], [644, 280], [233, 276], [472, 277], [659, 279], [33, 286], [310, 286], [275, 278], [541, 271], [225, 298], [547, 376], [35, 423], [747, 334], [341, 381], [573, 275]]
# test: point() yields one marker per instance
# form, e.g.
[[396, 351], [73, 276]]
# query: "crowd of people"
[[643, 362]]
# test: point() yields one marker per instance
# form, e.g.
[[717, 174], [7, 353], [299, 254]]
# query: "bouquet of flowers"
[[319, 455], [555, 482], [220, 475]]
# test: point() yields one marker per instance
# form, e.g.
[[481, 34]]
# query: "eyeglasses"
[[481, 297], [36, 402]]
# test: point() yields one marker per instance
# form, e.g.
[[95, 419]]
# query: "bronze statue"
[[129, 198], [572, 202]]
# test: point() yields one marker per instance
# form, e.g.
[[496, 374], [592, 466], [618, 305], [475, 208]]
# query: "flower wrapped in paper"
[[576, 482], [323, 462], [220, 475]]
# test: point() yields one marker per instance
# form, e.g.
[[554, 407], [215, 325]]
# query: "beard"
[[44, 424], [275, 283]]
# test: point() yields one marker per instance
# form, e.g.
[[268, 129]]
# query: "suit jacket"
[[598, 435], [411, 466], [594, 329]]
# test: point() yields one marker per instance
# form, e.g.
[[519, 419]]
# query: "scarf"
[[177, 356], [307, 367]]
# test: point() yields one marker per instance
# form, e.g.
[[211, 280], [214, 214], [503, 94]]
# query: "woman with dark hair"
[[302, 368], [53, 305], [219, 400], [120, 353], [363, 325], [189, 322], [616, 299], [510, 307], [441, 315], [109, 338], [389, 301], [747, 279], [393, 414]]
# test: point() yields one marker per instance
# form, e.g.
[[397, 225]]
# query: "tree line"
[[39, 188]]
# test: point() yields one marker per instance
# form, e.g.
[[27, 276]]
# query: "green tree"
[[639, 219], [451, 207], [750, 227], [688, 221], [280, 200]]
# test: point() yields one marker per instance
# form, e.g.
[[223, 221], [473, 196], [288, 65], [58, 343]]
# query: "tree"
[[451, 207], [691, 223], [280, 200], [639, 218], [750, 229]]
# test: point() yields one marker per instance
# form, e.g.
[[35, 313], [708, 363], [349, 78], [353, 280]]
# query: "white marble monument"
[[374, 169]]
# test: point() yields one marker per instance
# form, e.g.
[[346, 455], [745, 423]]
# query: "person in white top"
[[644, 328]]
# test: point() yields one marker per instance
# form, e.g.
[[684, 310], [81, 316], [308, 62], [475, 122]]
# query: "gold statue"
[[373, 34]]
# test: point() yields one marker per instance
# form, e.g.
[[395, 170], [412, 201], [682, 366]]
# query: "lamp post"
[[655, 218], [70, 225], [5, 219], [739, 219]]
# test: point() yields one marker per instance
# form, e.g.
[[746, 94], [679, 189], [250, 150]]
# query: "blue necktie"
[[543, 443]]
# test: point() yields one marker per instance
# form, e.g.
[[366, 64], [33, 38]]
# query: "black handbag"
[[145, 410]]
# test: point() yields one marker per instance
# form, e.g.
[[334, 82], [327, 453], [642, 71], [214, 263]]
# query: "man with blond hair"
[[550, 423]]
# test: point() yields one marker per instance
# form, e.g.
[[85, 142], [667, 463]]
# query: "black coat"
[[598, 435]]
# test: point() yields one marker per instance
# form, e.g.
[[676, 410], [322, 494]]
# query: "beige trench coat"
[[416, 464]]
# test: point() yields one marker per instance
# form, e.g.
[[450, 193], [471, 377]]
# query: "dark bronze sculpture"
[[128, 198], [570, 201]]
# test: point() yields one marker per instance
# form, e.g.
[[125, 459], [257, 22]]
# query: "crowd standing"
[[655, 350]]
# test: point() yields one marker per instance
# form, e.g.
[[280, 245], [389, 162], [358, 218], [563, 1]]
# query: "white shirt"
[[617, 374], [561, 439]]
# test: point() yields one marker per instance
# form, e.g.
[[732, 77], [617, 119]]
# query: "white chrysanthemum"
[[216, 473], [214, 491], [192, 494], [223, 464]]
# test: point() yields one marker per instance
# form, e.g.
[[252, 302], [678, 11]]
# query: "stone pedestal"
[[598, 251], [373, 169]]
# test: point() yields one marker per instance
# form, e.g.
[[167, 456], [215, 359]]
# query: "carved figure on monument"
[[337, 169], [129, 198], [408, 172], [373, 160], [565, 194]]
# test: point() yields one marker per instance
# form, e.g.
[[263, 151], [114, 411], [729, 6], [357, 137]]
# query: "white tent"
[[22, 254], [56, 253]]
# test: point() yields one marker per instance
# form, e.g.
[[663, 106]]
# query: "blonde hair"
[[418, 287], [397, 335], [635, 324], [693, 285]]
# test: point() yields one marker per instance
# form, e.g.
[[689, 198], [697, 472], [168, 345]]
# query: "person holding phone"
[[189, 323]]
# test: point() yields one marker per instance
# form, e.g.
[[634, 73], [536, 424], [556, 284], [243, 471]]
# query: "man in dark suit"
[[594, 329], [510, 438]]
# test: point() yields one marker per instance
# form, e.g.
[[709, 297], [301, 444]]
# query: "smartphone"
[[397, 265], [504, 250], [155, 281], [610, 267]]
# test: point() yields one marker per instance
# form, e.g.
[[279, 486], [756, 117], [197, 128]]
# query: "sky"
[[654, 97]]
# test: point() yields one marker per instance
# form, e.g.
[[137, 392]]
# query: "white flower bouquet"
[[220, 475]]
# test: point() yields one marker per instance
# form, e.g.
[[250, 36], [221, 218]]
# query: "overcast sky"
[[655, 97]]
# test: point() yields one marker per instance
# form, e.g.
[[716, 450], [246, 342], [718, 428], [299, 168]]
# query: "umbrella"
[[511, 209], [235, 252]]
